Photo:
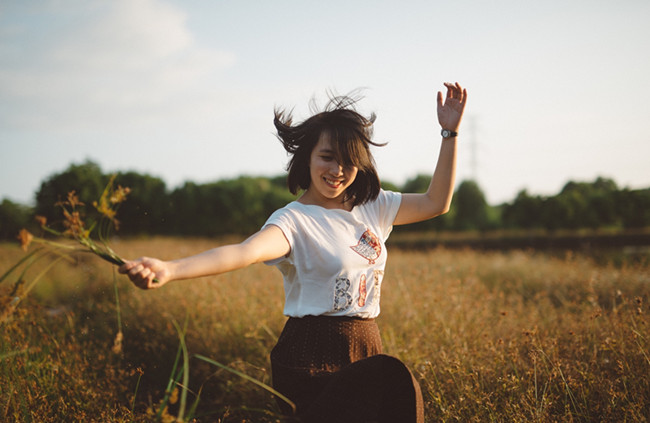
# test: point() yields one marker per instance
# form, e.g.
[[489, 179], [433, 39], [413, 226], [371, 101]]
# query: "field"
[[511, 336]]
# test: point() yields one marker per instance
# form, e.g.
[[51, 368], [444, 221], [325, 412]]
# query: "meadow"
[[516, 336]]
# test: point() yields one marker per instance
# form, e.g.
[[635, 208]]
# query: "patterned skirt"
[[333, 369]]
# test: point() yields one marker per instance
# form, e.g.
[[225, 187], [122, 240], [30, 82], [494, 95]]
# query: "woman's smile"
[[333, 183]]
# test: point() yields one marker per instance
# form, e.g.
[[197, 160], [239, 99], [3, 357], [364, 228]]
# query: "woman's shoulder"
[[382, 211], [286, 210], [384, 199]]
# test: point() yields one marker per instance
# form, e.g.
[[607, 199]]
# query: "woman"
[[329, 246]]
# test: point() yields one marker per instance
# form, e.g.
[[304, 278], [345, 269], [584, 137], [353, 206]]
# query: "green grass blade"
[[172, 381], [186, 370], [135, 394], [33, 282], [19, 263], [194, 406]]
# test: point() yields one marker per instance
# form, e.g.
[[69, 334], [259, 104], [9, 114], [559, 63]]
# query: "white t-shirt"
[[337, 258]]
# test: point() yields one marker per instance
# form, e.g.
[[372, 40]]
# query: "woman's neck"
[[309, 198]]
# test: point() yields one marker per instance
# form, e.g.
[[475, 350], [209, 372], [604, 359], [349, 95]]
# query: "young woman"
[[329, 247]]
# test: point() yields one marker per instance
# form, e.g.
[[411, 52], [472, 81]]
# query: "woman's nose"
[[336, 169]]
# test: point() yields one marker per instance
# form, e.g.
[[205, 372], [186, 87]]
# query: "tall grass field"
[[491, 336]]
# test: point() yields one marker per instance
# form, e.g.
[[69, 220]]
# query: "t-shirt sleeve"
[[387, 206], [281, 218]]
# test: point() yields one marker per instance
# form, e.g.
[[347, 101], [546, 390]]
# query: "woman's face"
[[329, 180]]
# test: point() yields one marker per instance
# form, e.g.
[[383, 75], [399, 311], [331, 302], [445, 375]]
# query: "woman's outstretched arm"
[[437, 199], [267, 244]]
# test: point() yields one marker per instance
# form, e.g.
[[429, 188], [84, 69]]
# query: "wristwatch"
[[446, 133]]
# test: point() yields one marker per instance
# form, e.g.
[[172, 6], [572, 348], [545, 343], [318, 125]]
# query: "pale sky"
[[184, 90]]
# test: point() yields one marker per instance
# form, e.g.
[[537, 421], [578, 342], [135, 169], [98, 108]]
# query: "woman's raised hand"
[[147, 273], [450, 110]]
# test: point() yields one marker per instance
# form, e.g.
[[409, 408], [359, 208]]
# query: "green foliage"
[[633, 207], [580, 205], [235, 206], [471, 207], [86, 179], [147, 209], [241, 205], [527, 212], [389, 186], [587, 205], [419, 183], [13, 217]]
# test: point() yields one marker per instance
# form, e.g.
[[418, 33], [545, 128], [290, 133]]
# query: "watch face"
[[445, 133]]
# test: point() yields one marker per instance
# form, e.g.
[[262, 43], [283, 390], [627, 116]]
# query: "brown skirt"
[[332, 368]]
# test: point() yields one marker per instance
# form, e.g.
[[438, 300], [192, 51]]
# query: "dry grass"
[[492, 337], [520, 337]]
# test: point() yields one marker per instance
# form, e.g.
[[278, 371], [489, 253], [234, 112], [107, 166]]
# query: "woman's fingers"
[[126, 266], [145, 279], [457, 93], [139, 272], [454, 91]]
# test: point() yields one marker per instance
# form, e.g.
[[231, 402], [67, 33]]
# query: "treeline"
[[236, 206], [241, 205], [580, 205]]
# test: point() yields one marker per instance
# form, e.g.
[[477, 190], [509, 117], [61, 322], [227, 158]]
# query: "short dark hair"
[[350, 134]]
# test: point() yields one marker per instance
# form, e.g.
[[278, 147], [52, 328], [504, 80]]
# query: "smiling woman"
[[329, 245]]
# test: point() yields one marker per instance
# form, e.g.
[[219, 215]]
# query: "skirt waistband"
[[325, 318]]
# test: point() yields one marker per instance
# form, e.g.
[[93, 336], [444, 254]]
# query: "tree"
[[588, 205], [147, 205], [577, 205], [184, 216], [603, 202], [418, 184], [553, 213], [524, 212], [234, 206], [246, 202], [13, 217], [85, 179], [633, 208], [389, 186], [470, 206]]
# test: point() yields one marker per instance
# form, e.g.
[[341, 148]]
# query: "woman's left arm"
[[437, 199]]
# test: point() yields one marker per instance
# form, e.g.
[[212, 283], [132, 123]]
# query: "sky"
[[185, 90]]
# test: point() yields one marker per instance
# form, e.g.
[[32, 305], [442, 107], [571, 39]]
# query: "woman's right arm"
[[267, 244]]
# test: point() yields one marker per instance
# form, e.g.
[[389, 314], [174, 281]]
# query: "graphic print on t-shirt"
[[368, 247], [342, 298], [377, 276], [363, 292]]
